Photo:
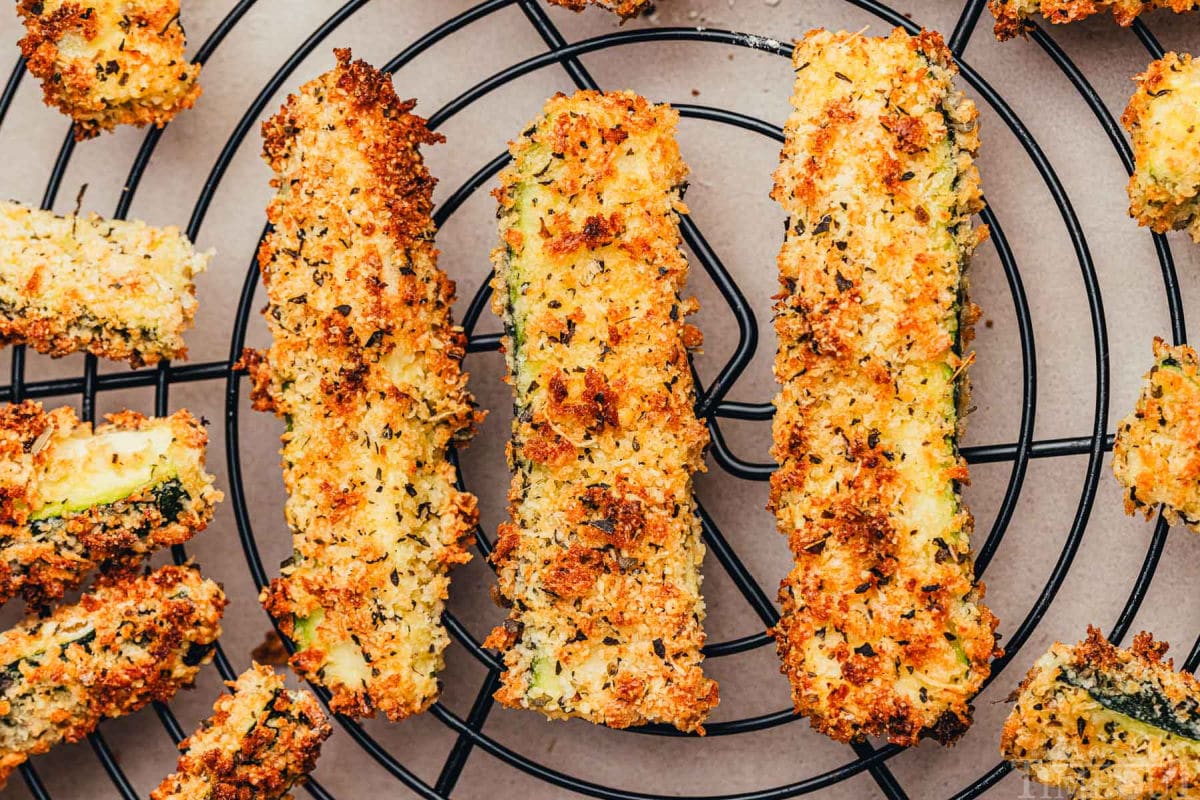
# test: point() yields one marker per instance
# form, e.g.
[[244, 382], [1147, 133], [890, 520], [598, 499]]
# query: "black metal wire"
[[712, 402]]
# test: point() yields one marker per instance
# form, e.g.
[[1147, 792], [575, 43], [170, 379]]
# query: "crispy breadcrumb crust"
[[42, 558], [260, 742], [1156, 455], [1015, 17], [882, 631], [109, 62], [130, 642], [601, 562], [1062, 736], [115, 288], [1162, 118], [366, 369], [624, 8]]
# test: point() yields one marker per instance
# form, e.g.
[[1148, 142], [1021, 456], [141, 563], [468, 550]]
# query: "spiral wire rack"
[[711, 402]]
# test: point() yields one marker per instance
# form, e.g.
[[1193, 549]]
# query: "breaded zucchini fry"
[[366, 369], [118, 289], [1156, 455], [129, 642], [109, 62], [601, 562], [624, 8], [1013, 17], [72, 499], [1162, 119], [882, 631], [1105, 723], [260, 742]]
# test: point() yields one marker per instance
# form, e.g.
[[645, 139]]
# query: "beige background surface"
[[729, 199]]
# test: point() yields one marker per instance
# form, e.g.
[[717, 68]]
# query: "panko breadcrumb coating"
[[260, 742], [109, 62], [128, 643], [366, 370], [114, 288], [1162, 119], [882, 630], [601, 562], [1156, 455], [624, 8], [1104, 723], [1014, 17], [73, 499]]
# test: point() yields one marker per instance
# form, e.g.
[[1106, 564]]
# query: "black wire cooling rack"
[[711, 402]]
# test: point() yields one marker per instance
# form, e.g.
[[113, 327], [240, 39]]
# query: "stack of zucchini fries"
[[883, 632]]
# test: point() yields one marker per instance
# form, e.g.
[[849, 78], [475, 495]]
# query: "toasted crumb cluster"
[[1162, 118], [1104, 723], [882, 632], [601, 562], [260, 742], [1156, 455], [1013, 17], [118, 289], [128, 643], [109, 62], [624, 8], [48, 544], [366, 369]]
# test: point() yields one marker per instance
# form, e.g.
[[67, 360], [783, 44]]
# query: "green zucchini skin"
[[1107, 723], [73, 499]]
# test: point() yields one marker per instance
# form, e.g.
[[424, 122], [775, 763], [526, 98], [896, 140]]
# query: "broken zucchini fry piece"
[[109, 62], [260, 742], [128, 643], [623, 8], [1156, 455], [601, 562], [1105, 723], [73, 499], [882, 630], [1014, 17], [119, 289], [1162, 119], [366, 370]]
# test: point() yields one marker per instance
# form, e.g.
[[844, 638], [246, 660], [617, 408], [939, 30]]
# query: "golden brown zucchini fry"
[[365, 368], [115, 288], [73, 499], [624, 8], [1013, 17], [882, 632], [260, 742], [127, 643], [109, 62], [1162, 119], [1156, 455], [1105, 723], [601, 562]]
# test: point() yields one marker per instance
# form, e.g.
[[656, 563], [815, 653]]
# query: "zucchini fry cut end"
[[73, 499]]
